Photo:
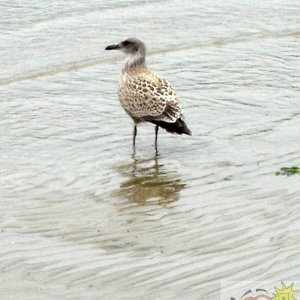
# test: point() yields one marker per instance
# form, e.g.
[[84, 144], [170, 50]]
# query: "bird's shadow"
[[149, 183]]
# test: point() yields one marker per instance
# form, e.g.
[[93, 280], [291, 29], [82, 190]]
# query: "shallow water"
[[83, 219]]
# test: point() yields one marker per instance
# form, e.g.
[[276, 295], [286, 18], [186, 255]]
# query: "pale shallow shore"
[[82, 219]]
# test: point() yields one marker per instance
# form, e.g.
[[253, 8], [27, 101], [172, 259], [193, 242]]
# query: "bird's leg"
[[134, 135], [156, 131]]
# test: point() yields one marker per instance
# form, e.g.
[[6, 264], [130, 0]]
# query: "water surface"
[[83, 219]]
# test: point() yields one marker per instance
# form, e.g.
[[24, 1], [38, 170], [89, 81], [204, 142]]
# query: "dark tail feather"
[[178, 127]]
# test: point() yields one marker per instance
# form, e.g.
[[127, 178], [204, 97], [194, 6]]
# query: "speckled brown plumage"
[[147, 97]]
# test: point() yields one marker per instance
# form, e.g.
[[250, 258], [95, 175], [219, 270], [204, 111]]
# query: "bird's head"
[[130, 46]]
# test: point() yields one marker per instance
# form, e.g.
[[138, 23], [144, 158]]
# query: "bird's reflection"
[[148, 183]]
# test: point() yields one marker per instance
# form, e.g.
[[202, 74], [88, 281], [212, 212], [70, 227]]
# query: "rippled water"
[[83, 219]]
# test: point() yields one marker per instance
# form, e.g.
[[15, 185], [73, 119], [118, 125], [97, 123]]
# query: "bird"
[[144, 95]]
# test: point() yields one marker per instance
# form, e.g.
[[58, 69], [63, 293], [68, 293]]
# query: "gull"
[[145, 96]]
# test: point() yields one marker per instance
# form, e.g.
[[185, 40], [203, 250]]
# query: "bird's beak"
[[113, 47]]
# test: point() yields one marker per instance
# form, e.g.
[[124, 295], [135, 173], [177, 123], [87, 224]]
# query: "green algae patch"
[[288, 171]]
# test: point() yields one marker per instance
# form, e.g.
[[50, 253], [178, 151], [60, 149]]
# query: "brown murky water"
[[83, 219]]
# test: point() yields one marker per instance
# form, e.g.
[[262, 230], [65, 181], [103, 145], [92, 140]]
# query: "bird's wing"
[[150, 98]]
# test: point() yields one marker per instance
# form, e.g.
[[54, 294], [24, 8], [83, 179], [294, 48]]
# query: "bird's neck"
[[135, 61]]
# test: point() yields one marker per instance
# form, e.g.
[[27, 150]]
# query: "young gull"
[[145, 96]]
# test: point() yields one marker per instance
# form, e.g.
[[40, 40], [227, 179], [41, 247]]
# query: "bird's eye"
[[126, 43]]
